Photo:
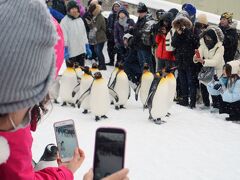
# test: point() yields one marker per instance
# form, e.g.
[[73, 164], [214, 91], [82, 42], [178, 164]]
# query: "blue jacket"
[[56, 14], [229, 95]]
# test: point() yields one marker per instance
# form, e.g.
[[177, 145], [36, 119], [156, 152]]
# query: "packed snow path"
[[191, 145]]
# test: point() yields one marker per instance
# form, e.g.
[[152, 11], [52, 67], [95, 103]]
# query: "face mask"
[[123, 21], [209, 42]]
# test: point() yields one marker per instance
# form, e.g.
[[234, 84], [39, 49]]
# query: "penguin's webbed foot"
[[97, 118], [104, 117], [64, 104], [116, 107], [122, 107], [55, 101], [158, 121], [85, 111], [168, 114], [73, 105]]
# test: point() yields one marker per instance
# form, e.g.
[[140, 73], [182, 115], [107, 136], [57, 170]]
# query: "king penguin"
[[48, 159], [68, 82], [157, 101], [145, 84], [99, 94], [86, 82], [121, 86]]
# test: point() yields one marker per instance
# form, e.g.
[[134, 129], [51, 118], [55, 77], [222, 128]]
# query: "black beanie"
[[142, 8], [72, 4], [174, 11]]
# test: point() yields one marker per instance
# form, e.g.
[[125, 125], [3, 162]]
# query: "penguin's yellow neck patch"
[[163, 80], [70, 70], [170, 75], [98, 81]]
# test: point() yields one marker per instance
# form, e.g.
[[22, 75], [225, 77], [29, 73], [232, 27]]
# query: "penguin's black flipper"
[[137, 91], [76, 89], [129, 93], [113, 94], [83, 96], [112, 85], [152, 92]]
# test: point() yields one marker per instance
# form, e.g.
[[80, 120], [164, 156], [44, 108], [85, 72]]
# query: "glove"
[[215, 78], [66, 53], [88, 51], [217, 87]]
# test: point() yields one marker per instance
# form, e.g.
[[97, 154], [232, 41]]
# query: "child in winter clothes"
[[19, 94], [228, 86]]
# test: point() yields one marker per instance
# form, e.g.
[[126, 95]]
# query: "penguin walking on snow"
[[48, 159], [86, 82], [68, 82], [145, 84], [157, 101], [99, 97], [121, 86]]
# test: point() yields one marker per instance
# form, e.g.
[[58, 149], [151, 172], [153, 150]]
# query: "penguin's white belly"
[[99, 98], [122, 88], [67, 84], [160, 101], [44, 164], [145, 87], [172, 83], [85, 84]]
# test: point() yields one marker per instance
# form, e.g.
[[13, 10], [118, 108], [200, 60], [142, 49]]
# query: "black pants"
[[188, 84], [205, 95], [232, 109], [79, 60], [217, 101]]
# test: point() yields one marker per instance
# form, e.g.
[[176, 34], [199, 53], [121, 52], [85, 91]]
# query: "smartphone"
[[197, 53], [109, 151], [66, 139]]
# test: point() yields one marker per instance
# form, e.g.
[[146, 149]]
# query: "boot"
[[85, 111], [104, 117], [183, 102], [233, 118]]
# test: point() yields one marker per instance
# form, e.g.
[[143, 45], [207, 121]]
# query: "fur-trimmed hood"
[[182, 20], [97, 11], [217, 30]]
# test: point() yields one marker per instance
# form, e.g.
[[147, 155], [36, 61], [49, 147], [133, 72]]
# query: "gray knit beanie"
[[27, 60]]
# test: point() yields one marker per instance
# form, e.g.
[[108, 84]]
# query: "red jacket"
[[18, 165], [162, 54]]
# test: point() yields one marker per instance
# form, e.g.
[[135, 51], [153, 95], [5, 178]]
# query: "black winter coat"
[[137, 33], [185, 45], [59, 5], [112, 18], [230, 43]]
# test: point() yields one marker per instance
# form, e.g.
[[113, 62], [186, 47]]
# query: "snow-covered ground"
[[192, 145]]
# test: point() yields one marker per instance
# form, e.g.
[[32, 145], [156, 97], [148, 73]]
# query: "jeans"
[[101, 58], [145, 56]]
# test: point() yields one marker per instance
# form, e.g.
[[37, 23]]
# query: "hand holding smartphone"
[[197, 53], [109, 152], [66, 139]]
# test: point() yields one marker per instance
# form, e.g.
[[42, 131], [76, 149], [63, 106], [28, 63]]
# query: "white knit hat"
[[202, 18], [27, 60]]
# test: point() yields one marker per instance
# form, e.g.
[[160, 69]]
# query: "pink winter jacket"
[[18, 166], [59, 47]]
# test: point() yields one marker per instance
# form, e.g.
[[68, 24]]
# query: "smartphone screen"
[[66, 139], [109, 151]]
